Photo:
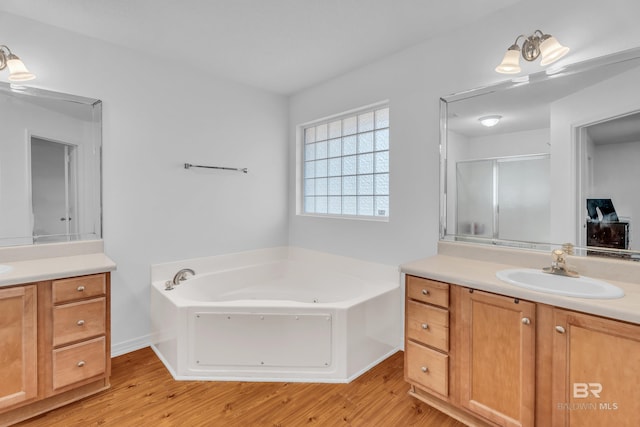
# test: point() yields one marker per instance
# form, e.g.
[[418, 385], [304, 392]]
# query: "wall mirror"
[[50, 167], [560, 163]]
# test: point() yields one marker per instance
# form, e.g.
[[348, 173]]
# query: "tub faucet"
[[559, 265], [179, 277], [182, 275]]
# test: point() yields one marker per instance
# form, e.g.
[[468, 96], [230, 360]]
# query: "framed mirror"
[[50, 167], [556, 161]]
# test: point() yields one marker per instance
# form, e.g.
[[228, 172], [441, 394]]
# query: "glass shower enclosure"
[[495, 197]]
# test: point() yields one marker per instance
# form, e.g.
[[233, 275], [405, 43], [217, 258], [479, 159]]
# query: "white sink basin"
[[5, 268], [581, 287]]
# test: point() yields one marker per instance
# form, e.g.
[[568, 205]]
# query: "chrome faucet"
[[180, 276], [559, 265]]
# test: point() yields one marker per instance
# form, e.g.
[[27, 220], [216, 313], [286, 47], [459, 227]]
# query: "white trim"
[[344, 113], [130, 345], [348, 217], [275, 379]]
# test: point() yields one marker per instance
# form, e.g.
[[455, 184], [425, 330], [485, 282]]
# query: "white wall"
[[534, 141], [156, 118], [413, 80], [457, 145]]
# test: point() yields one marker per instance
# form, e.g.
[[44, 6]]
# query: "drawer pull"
[[80, 288], [425, 326], [80, 364], [425, 292], [424, 369], [80, 322], [526, 321], [560, 329]]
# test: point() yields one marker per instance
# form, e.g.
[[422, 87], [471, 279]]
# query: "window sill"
[[346, 217]]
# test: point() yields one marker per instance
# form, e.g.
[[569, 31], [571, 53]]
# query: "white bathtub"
[[282, 314]]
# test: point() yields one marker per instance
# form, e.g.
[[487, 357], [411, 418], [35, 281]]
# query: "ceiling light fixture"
[[538, 44], [489, 121], [17, 70]]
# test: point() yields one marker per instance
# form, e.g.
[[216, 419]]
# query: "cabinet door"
[[18, 345], [497, 357], [596, 371]]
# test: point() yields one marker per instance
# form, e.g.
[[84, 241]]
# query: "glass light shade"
[[17, 70], [551, 51], [510, 63], [489, 121]]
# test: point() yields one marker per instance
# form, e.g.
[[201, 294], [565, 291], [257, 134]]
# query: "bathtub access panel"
[[260, 340]]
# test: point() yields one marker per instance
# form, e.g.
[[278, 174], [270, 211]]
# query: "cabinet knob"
[[425, 292], [80, 288], [80, 322], [425, 326], [424, 369], [560, 329], [80, 364], [526, 321]]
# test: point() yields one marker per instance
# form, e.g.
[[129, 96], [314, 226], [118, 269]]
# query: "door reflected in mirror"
[[53, 190]]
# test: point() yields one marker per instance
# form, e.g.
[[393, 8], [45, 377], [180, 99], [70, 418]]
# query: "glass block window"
[[346, 165]]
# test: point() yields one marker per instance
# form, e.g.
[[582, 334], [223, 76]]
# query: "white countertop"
[[35, 270], [481, 275]]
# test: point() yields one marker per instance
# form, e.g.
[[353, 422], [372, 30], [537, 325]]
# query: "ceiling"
[[620, 130], [281, 46]]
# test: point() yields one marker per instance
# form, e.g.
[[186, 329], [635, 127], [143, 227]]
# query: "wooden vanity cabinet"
[[431, 346], [497, 357], [427, 335], [79, 346], [595, 371], [520, 363], [18, 345], [66, 337]]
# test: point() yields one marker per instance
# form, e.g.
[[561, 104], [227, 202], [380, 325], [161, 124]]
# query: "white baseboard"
[[125, 347]]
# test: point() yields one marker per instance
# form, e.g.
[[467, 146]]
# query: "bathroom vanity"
[[54, 333], [494, 352], [54, 297], [488, 353]]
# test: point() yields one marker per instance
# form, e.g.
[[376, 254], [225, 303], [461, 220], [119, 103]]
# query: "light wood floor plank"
[[143, 393]]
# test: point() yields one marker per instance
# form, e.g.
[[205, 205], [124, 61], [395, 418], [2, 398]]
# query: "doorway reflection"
[[53, 190]]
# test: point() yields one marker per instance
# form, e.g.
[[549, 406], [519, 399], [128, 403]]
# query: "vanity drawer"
[[427, 368], [78, 288], [428, 324], [79, 362], [79, 320], [429, 291]]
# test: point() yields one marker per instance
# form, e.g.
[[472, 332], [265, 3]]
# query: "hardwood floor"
[[143, 393]]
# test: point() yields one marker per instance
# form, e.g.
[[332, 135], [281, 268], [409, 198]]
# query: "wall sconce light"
[[538, 44], [17, 70], [489, 121]]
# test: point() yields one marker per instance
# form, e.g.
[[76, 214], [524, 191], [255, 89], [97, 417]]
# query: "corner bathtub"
[[280, 320]]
